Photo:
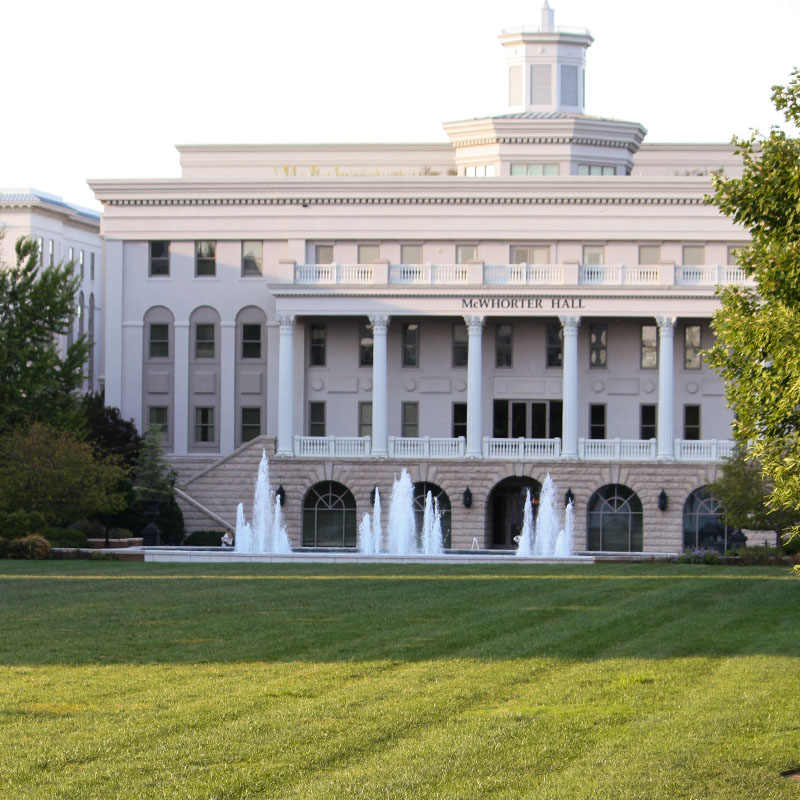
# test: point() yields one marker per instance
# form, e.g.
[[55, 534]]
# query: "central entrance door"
[[506, 510]]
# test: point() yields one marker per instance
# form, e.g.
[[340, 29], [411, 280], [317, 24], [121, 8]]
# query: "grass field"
[[131, 680]]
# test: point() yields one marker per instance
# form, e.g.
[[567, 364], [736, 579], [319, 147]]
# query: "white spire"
[[548, 18]]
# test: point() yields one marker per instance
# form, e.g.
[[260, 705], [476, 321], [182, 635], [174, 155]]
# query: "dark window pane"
[[316, 355], [411, 345], [459, 420], [251, 423], [555, 338], [556, 418], [205, 258], [460, 345], [648, 422], [503, 345], [691, 422], [500, 419], [251, 341], [316, 419], [597, 421], [204, 341], [159, 258], [159, 340], [598, 345], [252, 258], [539, 420], [366, 344]]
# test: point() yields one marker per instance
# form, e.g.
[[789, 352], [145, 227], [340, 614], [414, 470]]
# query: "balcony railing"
[[617, 449], [426, 447], [703, 449], [518, 274], [335, 446], [521, 449]]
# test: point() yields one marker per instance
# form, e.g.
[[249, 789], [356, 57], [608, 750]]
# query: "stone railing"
[[703, 449], [334, 446], [521, 449], [617, 449], [426, 447]]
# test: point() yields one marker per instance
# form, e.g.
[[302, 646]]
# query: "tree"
[[50, 471], [108, 432], [37, 305], [153, 477], [757, 349]]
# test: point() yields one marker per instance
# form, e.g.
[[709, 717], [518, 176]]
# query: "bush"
[[34, 546], [120, 533], [748, 556], [205, 539], [4, 547], [16, 524], [64, 537], [790, 545], [90, 528], [699, 556]]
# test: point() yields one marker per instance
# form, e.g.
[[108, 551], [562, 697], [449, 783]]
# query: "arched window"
[[421, 490], [329, 516], [702, 522], [506, 508], [80, 314], [614, 520]]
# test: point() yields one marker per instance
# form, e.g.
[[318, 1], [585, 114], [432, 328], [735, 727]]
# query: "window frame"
[[598, 345], [648, 427], [645, 348], [249, 424], [461, 247], [459, 426], [408, 347], [316, 427], [160, 260], [205, 265], [409, 428], [366, 352], [317, 348], [596, 426], [365, 425], [460, 349], [158, 341], [257, 270], [207, 427], [690, 428], [504, 352], [248, 343], [692, 354], [163, 427], [205, 348]]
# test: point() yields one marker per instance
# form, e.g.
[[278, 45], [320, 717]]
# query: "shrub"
[[4, 547], [699, 556], [120, 533], [90, 528], [64, 537], [204, 539], [16, 524], [33, 546]]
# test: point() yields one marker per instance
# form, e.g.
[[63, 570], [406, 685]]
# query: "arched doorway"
[[421, 490], [614, 520], [329, 516], [506, 507], [703, 525]]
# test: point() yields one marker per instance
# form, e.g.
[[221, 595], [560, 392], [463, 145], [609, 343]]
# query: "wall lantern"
[[281, 495], [372, 495], [662, 501], [569, 497], [467, 497]]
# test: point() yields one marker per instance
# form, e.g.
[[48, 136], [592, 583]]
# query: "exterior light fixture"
[[662, 501], [281, 495], [569, 497], [467, 497]]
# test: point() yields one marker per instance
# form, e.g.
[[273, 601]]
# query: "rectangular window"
[[410, 420], [593, 254], [538, 420], [40, 249], [411, 345], [366, 344], [317, 346], [554, 345], [647, 421], [649, 351], [316, 418], [50, 253], [459, 420], [72, 255], [323, 254], [500, 419], [365, 419], [204, 425], [503, 345], [159, 340], [597, 421], [204, 340], [205, 262], [694, 254], [519, 420], [480, 171], [252, 259], [251, 341], [556, 418], [598, 345], [91, 266], [159, 258], [157, 417], [80, 261], [733, 251], [460, 345], [691, 347], [530, 254], [411, 254], [691, 423], [596, 169], [649, 254], [535, 170], [465, 253], [368, 253], [251, 423]]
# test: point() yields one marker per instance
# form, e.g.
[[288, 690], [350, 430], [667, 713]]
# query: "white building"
[[529, 297], [63, 232]]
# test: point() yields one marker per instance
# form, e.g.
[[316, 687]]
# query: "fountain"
[[546, 538], [526, 536], [402, 536], [266, 534]]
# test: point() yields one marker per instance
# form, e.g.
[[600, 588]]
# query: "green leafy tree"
[[153, 476], [52, 472], [108, 432], [37, 383], [757, 349]]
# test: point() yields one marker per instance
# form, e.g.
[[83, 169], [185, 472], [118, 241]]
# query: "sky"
[[99, 89]]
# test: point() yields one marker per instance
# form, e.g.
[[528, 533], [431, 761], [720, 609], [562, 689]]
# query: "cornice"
[[32, 207], [571, 140]]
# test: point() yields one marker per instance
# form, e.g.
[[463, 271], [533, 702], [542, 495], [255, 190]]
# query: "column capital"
[[379, 322], [666, 323], [474, 323], [286, 321], [569, 324]]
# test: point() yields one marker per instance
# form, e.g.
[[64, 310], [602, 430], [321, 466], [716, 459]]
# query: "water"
[[547, 537], [526, 536], [267, 533], [402, 535]]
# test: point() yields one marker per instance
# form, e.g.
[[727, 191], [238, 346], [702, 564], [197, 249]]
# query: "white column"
[[183, 425], [227, 389], [113, 315], [474, 387], [666, 388], [380, 325], [569, 392], [286, 386]]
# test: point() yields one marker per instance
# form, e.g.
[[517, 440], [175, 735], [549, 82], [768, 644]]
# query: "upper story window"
[[410, 253], [594, 254], [323, 254], [365, 344], [733, 252], [251, 341], [460, 345], [535, 170], [596, 169], [411, 345], [530, 254], [694, 254], [204, 340], [205, 262], [316, 418], [554, 345], [691, 347], [649, 351], [317, 346], [91, 266], [598, 345], [365, 419], [50, 253], [72, 255], [503, 343], [40, 248], [159, 340], [368, 253], [649, 254], [480, 171], [252, 258], [80, 261], [159, 258], [465, 253]]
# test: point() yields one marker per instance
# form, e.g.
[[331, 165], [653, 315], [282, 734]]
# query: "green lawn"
[[131, 680]]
